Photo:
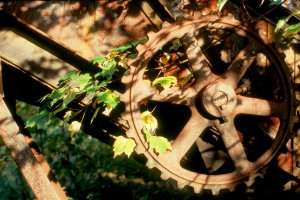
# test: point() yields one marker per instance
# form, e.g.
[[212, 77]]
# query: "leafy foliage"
[[283, 29], [108, 98], [157, 143], [123, 145], [165, 82], [82, 164], [93, 91], [149, 121]]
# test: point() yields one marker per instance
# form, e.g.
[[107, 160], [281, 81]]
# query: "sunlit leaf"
[[98, 60], [293, 29], [80, 81], [165, 82], [109, 68], [281, 24], [123, 145], [149, 121], [67, 77], [159, 144], [221, 4], [109, 98]]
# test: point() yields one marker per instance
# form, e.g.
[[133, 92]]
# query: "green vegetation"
[[84, 166]]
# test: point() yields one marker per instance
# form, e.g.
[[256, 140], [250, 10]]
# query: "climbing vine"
[[93, 91]]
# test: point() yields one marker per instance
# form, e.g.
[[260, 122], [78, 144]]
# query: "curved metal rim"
[[267, 156]]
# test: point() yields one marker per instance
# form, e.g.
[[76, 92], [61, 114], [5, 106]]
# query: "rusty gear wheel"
[[234, 107]]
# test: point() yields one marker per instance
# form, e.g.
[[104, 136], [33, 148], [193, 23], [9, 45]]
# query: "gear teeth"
[[181, 185], [251, 179], [164, 176], [215, 190], [145, 51], [197, 189], [150, 164], [231, 188]]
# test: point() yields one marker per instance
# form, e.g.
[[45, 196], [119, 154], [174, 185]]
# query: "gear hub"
[[219, 99]]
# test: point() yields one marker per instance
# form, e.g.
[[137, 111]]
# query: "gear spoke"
[[233, 145], [199, 65], [260, 107], [189, 134], [240, 65]]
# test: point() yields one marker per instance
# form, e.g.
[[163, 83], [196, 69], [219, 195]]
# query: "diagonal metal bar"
[[31, 168], [260, 107], [240, 65], [189, 134], [233, 145]]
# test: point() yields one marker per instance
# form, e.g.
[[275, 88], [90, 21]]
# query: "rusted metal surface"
[[34, 167], [219, 97], [32, 170], [212, 102], [87, 28]]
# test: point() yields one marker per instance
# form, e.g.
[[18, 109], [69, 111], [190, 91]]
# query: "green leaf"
[[293, 29], [159, 144], [149, 121], [130, 45], [123, 145], [109, 68], [221, 4], [98, 60], [109, 98], [38, 121], [68, 76], [165, 82], [80, 81], [67, 99], [55, 96]]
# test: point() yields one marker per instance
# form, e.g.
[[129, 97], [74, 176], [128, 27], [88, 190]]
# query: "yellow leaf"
[[149, 121], [123, 145]]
